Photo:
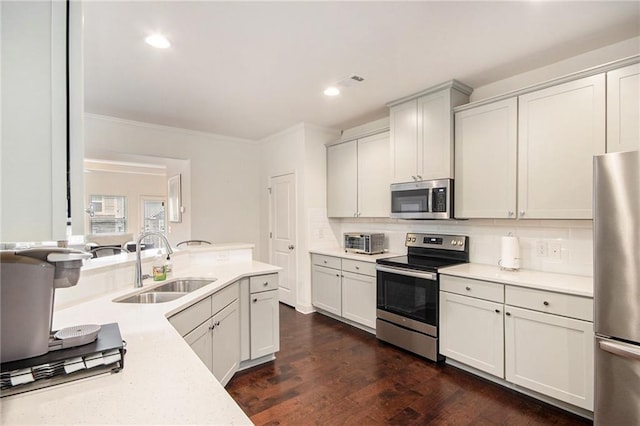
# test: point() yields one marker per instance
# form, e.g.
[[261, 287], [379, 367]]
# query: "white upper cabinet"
[[486, 140], [530, 156], [374, 198], [358, 177], [422, 132], [623, 109], [34, 120], [560, 129], [342, 179]]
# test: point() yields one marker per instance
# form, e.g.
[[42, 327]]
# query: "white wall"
[[224, 202], [581, 62], [301, 150]]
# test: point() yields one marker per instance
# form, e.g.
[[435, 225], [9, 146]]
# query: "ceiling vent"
[[349, 81]]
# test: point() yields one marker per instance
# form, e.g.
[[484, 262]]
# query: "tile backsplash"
[[562, 246]]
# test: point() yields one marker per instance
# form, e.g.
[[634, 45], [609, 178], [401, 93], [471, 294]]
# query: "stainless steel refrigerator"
[[617, 288]]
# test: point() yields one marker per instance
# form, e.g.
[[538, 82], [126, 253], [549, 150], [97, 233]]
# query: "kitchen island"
[[163, 380]]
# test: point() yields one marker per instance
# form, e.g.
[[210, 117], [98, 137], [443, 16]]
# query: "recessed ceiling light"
[[158, 40], [332, 91]]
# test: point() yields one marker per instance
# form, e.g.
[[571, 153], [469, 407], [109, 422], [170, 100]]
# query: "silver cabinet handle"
[[497, 311], [266, 283], [545, 303], [291, 247], [508, 314], [468, 288], [522, 212], [620, 349], [255, 300], [419, 177], [510, 213], [358, 268], [214, 325]]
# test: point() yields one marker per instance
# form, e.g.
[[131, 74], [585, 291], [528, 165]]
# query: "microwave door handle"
[[429, 200]]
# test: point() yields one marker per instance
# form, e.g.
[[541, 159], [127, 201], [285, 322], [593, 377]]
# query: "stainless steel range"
[[408, 291]]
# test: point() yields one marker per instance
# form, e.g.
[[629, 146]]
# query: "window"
[[110, 214]]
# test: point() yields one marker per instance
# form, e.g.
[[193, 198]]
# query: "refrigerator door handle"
[[620, 349]]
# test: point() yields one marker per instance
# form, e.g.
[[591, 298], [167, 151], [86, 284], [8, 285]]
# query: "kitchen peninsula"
[[163, 381]]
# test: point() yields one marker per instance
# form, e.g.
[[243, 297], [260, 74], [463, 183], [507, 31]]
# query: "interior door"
[[282, 206]]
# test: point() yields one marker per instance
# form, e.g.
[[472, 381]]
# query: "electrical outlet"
[[542, 249], [555, 250]]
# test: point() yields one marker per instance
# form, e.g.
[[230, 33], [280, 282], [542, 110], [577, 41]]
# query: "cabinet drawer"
[[359, 267], [263, 283], [328, 261], [188, 319], [224, 297], [473, 288], [554, 303]]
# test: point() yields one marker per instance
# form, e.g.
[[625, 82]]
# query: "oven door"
[[408, 298]]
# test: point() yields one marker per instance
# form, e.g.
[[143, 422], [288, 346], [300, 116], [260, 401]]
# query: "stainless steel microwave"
[[425, 199]]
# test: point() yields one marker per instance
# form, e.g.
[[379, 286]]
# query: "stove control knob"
[[413, 240], [454, 243]]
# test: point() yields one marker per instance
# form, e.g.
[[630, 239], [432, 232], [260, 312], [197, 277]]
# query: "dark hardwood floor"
[[330, 373]]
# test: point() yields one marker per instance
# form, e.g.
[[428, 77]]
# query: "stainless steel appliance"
[[364, 243], [408, 291], [425, 199], [617, 288]]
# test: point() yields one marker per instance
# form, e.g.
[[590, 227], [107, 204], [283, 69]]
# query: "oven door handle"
[[409, 273]]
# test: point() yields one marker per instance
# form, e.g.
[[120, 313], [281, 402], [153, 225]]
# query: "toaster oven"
[[364, 243]]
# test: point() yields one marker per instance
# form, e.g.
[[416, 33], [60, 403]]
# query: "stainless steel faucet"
[[139, 277]]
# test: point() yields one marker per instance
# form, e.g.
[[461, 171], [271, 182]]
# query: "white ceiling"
[[251, 69]]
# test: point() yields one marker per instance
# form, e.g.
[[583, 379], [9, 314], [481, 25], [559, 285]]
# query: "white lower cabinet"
[[326, 290], [538, 340], [550, 354], [238, 323], [345, 288], [264, 316], [471, 331], [359, 298]]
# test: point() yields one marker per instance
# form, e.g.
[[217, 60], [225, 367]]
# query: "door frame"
[[294, 174]]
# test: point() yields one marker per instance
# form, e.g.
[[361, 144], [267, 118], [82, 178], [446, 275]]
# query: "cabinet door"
[[561, 128], [359, 298], [435, 145], [404, 141], [550, 354], [471, 332], [265, 323], [374, 199], [326, 293], [199, 339], [226, 343], [486, 139], [342, 180], [33, 141], [623, 109]]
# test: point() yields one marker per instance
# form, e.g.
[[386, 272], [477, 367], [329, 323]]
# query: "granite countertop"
[[577, 285], [163, 381]]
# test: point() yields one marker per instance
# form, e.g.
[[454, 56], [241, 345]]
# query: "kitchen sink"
[[171, 290], [151, 297], [182, 285]]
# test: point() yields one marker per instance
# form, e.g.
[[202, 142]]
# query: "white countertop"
[[339, 252], [163, 381], [560, 283]]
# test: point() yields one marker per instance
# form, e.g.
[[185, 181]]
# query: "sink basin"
[[171, 290], [182, 285], [151, 297]]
